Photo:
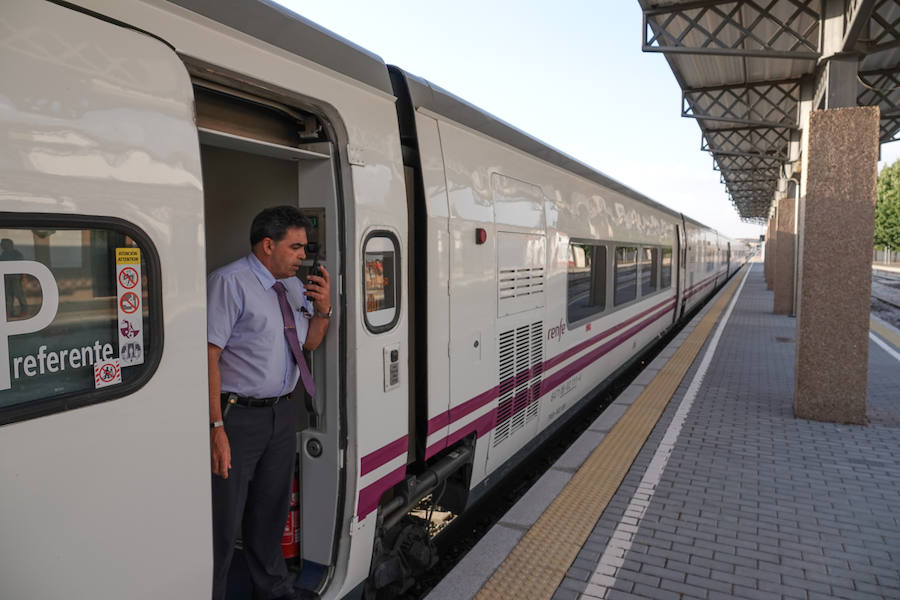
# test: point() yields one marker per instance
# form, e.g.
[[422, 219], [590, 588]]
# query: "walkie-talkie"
[[313, 249]]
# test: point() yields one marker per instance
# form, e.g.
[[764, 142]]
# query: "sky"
[[570, 73]]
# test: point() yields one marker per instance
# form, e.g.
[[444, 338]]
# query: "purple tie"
[[290, 332]]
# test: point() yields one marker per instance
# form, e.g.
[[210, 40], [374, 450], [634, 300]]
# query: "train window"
[[626, 274], [82, 314], [586, 293], [381, 265], [649, 270], [665, 271]]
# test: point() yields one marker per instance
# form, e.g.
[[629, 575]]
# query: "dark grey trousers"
[[255, 498]]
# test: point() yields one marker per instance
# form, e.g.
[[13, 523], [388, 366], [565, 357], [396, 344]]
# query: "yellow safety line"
[[538, 563], [887, 333]]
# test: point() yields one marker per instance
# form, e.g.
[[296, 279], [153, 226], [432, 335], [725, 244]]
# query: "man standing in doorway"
[[259, 316]]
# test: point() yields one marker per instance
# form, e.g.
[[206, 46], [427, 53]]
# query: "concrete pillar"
[[836, 228], [785, 233], [769, 265]]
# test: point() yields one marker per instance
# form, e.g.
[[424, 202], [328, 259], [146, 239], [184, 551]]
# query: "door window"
[[81, 315], [381, 265]]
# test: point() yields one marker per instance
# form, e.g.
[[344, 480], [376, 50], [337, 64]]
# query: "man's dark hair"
[[275, 221]]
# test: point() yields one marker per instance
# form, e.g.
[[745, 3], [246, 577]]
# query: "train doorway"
[[257, 153]]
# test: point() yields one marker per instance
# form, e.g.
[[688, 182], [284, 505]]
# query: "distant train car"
[[484, 286]]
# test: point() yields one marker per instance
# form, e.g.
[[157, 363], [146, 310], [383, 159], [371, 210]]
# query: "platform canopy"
[[745, 66]]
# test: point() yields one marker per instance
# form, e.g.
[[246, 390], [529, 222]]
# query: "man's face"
[[287, 253]]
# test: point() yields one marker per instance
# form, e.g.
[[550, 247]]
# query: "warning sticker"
[[129, 302], [107, 372], [128, 277], [129, 292], [128, 256]]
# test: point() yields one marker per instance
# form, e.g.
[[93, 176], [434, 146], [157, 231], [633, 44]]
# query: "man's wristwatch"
[[326, 315], [215, 424]]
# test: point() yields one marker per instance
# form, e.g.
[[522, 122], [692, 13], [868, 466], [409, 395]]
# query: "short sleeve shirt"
[[244, 320]]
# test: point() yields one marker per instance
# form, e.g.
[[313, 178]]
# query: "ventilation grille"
[[517, 283], [521, 360]]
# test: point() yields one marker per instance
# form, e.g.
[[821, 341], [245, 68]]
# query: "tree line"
[[887, 208]]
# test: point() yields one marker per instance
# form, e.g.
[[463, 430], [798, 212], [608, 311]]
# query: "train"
[[485, 286]]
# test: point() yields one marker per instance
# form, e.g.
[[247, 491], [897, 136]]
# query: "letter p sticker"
[[39, 321]]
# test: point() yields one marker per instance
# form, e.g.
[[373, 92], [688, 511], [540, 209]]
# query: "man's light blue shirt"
[[244, 319]]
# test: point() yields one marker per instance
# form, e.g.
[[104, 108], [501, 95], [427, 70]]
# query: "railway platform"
[[699, 482]]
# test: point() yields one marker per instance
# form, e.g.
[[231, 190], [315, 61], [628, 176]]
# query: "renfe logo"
[[39, 321], [558, 331]]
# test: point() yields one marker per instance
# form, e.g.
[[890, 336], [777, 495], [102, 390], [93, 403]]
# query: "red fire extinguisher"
[[290, 538]]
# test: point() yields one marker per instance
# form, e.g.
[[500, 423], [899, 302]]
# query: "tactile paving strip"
[[885, 332], [538, 563]]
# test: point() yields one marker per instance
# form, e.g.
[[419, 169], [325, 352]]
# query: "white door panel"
[[96, 119]]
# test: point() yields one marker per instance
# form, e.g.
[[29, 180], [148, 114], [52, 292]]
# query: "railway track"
[[886, 296]]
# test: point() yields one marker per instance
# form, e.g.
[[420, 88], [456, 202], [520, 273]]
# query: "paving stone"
[[564, 594], [683, 588], [620, 595], [733, 578], [686, 568], [707, 583], [806, 584], [890, 582], [627, 398], [644, 578], [476, 567], [760, 556], [645, 592], [572, 584], [691, 550], [663, 573], [775, 587], [867, 588], [735, 559], [536, 500], [575, 455], [623, 585], [609, 417], [579, 573], [751, 593]]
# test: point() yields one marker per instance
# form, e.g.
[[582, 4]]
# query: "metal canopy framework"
[[745, 67], [787, 28]]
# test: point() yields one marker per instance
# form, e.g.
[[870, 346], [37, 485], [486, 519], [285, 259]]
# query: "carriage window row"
[[712, 255], [635, 271]]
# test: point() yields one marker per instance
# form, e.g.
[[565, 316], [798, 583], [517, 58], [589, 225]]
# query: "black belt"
[[248, 402]]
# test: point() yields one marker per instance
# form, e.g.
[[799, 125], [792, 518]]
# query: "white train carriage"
[[483, 284], [532, 313]]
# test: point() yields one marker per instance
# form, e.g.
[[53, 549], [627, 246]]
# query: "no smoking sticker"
[[129, 302], [107, 372]]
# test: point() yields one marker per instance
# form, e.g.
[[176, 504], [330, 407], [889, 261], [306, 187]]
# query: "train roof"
[[427, 95], [285, 29]]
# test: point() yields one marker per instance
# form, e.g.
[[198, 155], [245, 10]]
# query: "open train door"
[[104, 451]]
